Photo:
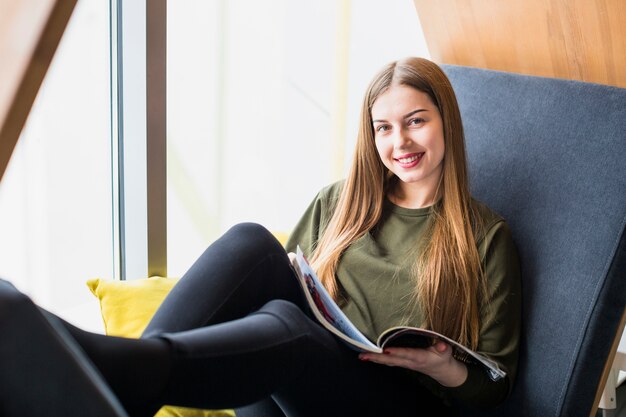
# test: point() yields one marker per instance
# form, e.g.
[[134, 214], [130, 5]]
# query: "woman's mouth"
[[409, 160]]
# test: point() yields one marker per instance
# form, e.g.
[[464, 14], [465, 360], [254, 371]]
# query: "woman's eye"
[[382, 128], [416, 121]]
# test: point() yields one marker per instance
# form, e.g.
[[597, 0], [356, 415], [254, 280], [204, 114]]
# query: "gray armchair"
[[44, 369], [550, 156]]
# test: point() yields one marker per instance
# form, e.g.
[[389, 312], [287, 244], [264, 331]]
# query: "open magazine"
[[328, 313]]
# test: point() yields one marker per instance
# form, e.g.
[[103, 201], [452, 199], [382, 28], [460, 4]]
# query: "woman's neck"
[[407, 196]]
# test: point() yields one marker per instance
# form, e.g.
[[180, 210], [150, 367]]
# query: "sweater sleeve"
[[500, 321]]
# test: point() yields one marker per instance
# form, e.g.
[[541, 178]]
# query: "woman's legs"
[[281, 352], [236, 275], [277, 351], [262, 348], [237, 341], [137, 371]]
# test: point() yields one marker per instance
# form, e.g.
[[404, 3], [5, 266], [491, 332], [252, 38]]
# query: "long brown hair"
[[449, 269]]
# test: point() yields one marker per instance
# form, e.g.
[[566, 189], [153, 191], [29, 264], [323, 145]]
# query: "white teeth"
[[408, 160]]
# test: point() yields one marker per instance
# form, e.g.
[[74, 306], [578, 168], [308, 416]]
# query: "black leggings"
[[235, 332]]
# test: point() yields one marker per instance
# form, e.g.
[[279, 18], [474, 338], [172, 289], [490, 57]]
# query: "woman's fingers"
[[411, 358]]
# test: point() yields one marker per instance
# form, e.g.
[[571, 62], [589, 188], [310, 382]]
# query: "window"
[[55, 197]]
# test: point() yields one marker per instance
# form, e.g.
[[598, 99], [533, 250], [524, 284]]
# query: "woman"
[[401, 241]]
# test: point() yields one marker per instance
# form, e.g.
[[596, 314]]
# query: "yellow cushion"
[[281, 237], [127, 307]]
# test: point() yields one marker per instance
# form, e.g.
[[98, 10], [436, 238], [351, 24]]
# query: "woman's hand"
[[436, 361]]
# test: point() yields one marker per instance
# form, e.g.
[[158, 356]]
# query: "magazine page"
[[326, 310], [429, 337], [406, 337]]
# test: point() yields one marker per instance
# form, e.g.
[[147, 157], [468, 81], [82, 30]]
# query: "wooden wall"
[[30, 31], [573, 39]]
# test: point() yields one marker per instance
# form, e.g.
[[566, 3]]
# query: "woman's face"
[[408, 131]]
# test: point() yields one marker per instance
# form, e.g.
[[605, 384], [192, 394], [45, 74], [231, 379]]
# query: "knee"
[[255, 235], [249, 229], [300, 324], [290, 313], [281, 306]]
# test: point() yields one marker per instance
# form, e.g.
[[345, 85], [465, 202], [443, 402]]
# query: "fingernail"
[[363, 358]]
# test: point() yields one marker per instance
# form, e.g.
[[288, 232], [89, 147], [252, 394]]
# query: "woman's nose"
[[400, 139]]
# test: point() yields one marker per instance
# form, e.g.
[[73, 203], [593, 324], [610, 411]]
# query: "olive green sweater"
[[374, 278]]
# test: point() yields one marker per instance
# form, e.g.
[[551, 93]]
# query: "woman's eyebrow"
[[406, 116]]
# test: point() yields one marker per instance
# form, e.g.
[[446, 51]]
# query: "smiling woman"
[[446, 270], [409, 139]]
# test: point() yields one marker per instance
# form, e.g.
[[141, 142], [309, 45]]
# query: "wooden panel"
[[30, 31], [610, 363], [573, 39]]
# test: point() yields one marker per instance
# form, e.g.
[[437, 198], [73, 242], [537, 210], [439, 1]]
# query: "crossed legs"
[[239, 315], [233, 332]]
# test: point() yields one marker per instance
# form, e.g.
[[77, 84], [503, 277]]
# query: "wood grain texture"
[[573, 39], [609, 364], [30, 31]]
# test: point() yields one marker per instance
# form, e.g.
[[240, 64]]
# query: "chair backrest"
[[550, 156]]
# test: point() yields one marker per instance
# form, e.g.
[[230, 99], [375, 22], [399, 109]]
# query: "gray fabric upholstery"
[[43, 372], [550, 156]]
